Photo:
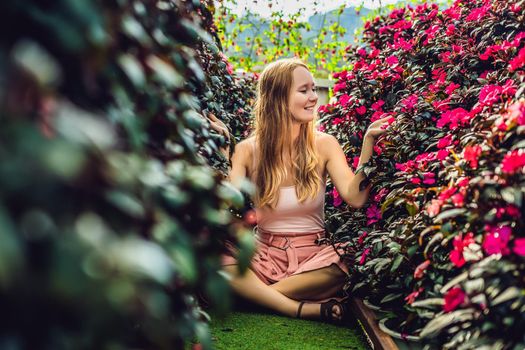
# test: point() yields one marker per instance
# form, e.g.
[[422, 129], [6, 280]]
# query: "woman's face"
[[303, 96]]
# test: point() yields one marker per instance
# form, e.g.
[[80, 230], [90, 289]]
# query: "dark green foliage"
[[113, 213]]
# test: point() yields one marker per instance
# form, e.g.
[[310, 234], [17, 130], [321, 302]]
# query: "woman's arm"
[[345, 181]]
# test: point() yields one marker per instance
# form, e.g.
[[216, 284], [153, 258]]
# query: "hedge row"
[[112, 208], [441, 245]]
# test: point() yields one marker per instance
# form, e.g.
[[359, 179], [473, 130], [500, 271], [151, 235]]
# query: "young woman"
[[288, 160]]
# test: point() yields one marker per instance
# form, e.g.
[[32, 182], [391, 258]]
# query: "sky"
[[266, 7]]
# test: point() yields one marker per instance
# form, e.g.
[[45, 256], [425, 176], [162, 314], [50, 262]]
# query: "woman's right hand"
[[221, 128]]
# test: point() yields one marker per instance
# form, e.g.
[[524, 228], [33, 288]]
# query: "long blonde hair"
[[272, 131]]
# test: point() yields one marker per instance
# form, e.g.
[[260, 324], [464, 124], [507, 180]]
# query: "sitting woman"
[[288, 160]]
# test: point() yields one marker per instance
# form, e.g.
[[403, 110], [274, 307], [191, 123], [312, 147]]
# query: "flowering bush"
[[441, 244], [111, 220]]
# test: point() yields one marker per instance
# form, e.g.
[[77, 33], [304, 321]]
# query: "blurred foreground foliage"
[[113, 207]]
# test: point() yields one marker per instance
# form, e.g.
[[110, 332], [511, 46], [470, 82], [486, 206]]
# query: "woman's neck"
[[296, 128]]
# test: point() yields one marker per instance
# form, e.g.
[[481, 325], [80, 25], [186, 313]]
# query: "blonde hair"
[[272, 130]]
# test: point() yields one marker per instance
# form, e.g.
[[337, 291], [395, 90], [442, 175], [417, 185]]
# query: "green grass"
[[242, 330]]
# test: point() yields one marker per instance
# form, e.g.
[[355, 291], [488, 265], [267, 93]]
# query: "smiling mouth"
[[310, 108]]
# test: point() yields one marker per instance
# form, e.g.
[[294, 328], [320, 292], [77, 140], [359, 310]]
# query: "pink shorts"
[[282, 254]]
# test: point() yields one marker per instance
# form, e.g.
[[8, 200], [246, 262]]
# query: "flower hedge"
[[113, 212], [441, 244]]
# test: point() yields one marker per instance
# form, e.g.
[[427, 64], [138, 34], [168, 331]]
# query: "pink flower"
[[471, 155], [373, 214], [339, 86], [377, 106], [363, 256], [380, 195], [458, 199], [519, 246], [477, 14], [442, 154], [489, 94], [429, 178], [463, 182], [392, 60], [516, 113], [434, 207], [456, 255], [419, 272], [337, 198], [447, 193], [344, 100], [496, 241], [415, 180], [454, 117], [451, 88], [410, 102], [454, 298], [513, 162], [445, 141], [518, 61], [355, 162], [361, 110]]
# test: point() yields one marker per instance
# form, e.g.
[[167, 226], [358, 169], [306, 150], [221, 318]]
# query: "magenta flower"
[[496, 241], [513, 162], [454, 298], [373, 214], [429, 178], [362, 237], [392, 60], [442, 154], [455, 117], [471, 155], [361, 110], [378, 197], [519, 246], [337, 198]]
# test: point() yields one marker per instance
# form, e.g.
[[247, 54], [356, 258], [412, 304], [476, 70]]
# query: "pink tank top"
[[289, 215]]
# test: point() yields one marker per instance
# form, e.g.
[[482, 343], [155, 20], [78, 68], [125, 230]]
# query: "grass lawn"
[[259, 330]]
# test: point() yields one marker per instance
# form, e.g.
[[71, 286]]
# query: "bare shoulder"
[[244, 150], [326, 143]]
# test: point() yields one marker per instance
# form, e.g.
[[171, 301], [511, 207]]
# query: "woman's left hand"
[[379, 127]]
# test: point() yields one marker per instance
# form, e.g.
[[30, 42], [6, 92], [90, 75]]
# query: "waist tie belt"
[[288, 242]]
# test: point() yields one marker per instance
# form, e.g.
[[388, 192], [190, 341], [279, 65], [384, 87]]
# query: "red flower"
[[412, 296], [363, 256], [454, 298], [362, 237], [496, 241], [445, 141], [451, 88], [477, 14], [519, 246], [442, 154], [419, 272], [454, 117], [458, 199], [513, 162], [456, 255], [361, 110], [471, 154]]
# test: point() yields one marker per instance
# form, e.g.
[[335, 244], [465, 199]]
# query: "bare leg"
[[313, 285], [252, 288]]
